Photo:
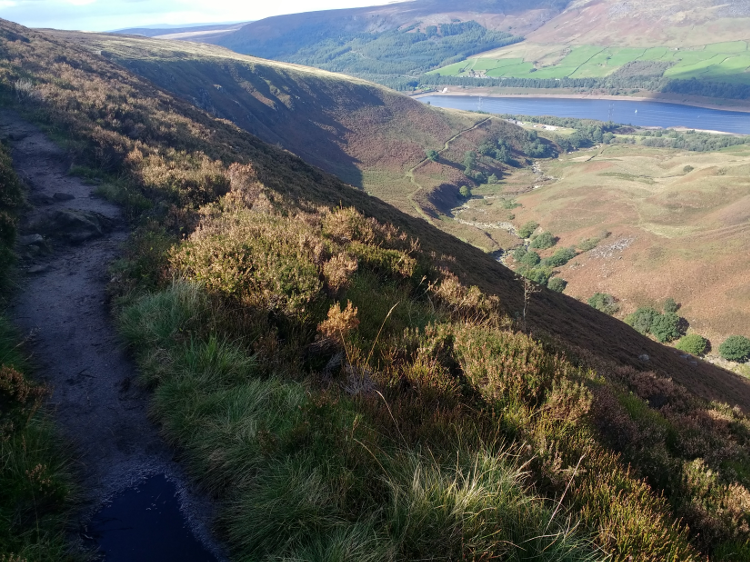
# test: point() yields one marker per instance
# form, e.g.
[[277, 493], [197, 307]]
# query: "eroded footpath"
[[68, 240]]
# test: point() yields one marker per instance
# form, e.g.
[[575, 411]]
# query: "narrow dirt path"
[[68, 240], [410, 173]]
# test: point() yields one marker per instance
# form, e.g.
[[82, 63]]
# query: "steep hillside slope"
[[625, 45], [282, 36], [330, 376], [639, 23], [368, 135], [60, 88]]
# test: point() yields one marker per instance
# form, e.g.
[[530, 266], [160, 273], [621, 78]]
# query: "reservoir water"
[[640, 113]]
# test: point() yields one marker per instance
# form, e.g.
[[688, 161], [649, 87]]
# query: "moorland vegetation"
[[331, 375]]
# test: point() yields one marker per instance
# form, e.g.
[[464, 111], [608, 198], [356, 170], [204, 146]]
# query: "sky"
[[107, 15]]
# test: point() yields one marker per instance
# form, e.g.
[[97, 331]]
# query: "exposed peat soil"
[[68, 240]]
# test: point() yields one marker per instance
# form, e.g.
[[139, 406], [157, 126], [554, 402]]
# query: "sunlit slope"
[[679, 224], [596, 38]]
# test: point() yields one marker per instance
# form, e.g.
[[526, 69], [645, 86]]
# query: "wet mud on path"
[[68, 240]]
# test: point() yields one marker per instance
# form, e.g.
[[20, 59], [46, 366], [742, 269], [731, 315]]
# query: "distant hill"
[[689, 47], [183, 31], [390, 44]]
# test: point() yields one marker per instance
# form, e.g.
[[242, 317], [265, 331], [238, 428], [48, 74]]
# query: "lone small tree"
[[527, 229], [465, 191], [470, 160], [433, 155], [666, 327], [735, 348]]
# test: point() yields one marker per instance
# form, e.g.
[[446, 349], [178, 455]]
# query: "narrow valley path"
[[68, 240]]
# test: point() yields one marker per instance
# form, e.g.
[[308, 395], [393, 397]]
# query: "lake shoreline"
[[479, 92]]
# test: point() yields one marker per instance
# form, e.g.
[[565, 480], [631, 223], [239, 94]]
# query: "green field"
[[726, 62]]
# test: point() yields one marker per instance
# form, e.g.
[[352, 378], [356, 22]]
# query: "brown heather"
[[270, 254]]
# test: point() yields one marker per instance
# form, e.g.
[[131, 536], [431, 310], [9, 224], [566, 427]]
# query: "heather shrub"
[[735, 348], [694, 344], [265, 262]]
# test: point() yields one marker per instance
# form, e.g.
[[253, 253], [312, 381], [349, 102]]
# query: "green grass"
[[36, 488], [311, 475], [727, 62]]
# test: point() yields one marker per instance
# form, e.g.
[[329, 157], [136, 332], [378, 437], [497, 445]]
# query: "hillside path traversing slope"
[[446, 146], [61, 308]]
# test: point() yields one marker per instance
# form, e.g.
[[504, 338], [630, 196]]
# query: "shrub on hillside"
[[538, 275], [543, 241], [604, 302], [735, 348], [530, 259], [694, 344], [519, 253], [560, 257], [527, 229], [666, 327], [465, 192], [670, 305], [557, 284], [588, 244], [642, 319]]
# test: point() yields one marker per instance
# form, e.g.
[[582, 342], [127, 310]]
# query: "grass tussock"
[[36, 489]]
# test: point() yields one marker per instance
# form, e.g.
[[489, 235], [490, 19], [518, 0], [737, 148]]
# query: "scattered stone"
[[72, 227], [37, 269], [63, 197], [645, 358], [40, 200], [31, 240]]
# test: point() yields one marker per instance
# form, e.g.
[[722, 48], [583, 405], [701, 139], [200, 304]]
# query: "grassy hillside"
[[724, 62], [684, 215], [329, 373], [652, 46]]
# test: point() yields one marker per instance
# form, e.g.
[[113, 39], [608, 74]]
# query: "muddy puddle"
[[145, 523]]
